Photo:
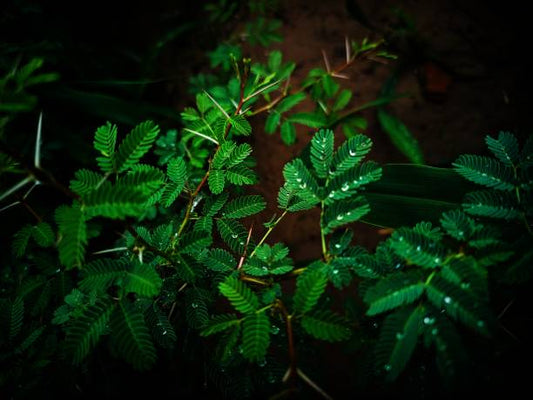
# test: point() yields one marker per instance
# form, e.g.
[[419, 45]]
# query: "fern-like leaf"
[[115, 201], [144, 178], [241, 175], [233, 233], [458, 224], [255, 336], [131, 336], [417, 248], [397, 341], [344, 212], [135, 145], [220, 323], [393, 291], [144, 280], [289, 200], [505, 148], [348, 183], [299, 179], [220, 260], [11, 318], [326, 325], [100, 274], [240, 296], [350, 153], [244, 206], [43, 234], [309, 287], [322, 152], [487, 203], [216, 180], [85, 181], [20, 240], [105, 140], [460, 303], [485, 171], [85, 331], [73, 231], [160, 327]]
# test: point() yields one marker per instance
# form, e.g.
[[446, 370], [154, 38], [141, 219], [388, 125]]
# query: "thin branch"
[[201, 135], [308, 380]]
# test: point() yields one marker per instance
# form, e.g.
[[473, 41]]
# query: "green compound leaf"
[[485, 171], [233, 233], [505, 148], [241, 175], [255, 336], [461, 304], [214, 204], [272, 122], [144, 280], [458, 224], [20, 240], [100, 274], [85, 181], [417, 248], [240, 296], [350, 153], [220, 260], [289, 102], [397, 341], [344, 212], [348, 183], [244, 206], [322, 152], [143, 177], [326, 325], [289, 200], [308, 119], [131, 336], [114, 201], [488, 203], [299, 179], [393, 291], [216, 180], [309, 287], [73, 231], [105, 140], [160, 327], [220, 323], [85, 331], [239, 154], [135, 145]]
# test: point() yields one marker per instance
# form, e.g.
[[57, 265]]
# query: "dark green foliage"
[[131, 337], [135, 145], [326, 325], [73, 231], [85, 331], [255, 336], [397, 341], [309, 287], [240, 296]]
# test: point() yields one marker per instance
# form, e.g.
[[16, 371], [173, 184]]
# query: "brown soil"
[[461, 82]]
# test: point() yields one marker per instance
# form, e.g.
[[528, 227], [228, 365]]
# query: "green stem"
[[268, 232], [322, 234]]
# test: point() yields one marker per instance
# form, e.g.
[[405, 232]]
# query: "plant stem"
[[268, 232], [290, 338], [322, 234]]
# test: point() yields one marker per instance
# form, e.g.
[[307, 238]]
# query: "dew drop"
[[352, 153], [434, 331], [345, 187], [303, 186], [460, 233], [194, 305], [349, 213], [400, 238], [465, 285], [480, 323], [332, 194], [335, 271], [274, 330], [398, 266], [264, 269], [399, 336], [387, 367], [340, 217], [437, 260], [298, 180], [164, 332], [337, 245], [429, 320], [235, 236], [447, 299], [241, 243], [263, 362], [418, 248]]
